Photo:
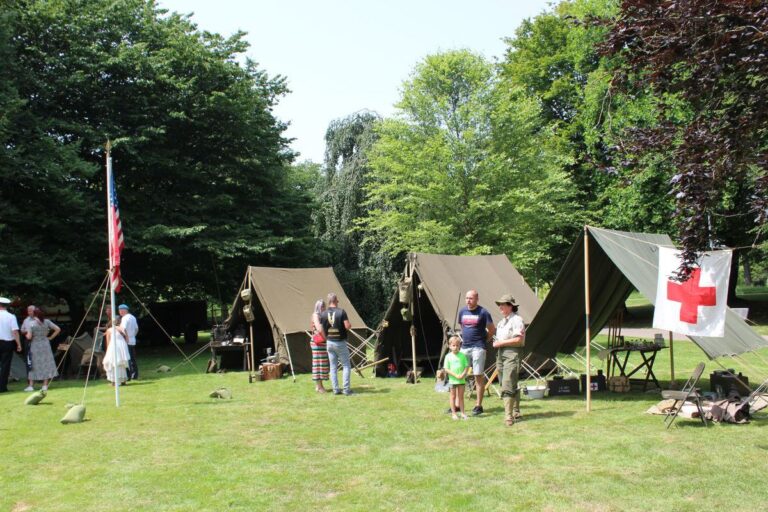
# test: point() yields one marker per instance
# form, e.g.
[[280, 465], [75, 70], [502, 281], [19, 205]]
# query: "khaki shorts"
[[476, 358]]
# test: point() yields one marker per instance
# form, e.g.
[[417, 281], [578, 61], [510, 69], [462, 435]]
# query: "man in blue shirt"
[[476, 327]]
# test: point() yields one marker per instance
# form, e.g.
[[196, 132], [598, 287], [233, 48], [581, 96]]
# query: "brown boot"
[[509, 420], [516, 407]]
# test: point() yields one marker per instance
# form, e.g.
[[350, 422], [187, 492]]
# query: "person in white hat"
[[509, 341], [9, 334]]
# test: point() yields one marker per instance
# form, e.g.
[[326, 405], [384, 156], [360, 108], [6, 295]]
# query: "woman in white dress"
[[120, 349]]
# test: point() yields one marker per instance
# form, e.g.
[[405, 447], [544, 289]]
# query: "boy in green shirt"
[[457, 367]]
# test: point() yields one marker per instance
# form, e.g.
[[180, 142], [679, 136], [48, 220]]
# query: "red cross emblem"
[[690, 296]]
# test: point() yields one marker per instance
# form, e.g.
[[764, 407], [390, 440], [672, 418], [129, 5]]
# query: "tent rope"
[[77, 331], [649, 263], [741, 360], [93, 346], [616, 233], [752, 369], [146, 309], [423, 332], [193, 355]]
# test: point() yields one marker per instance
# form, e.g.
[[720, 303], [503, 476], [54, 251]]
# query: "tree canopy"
[[202, 169], [636, 115], [706, 63]]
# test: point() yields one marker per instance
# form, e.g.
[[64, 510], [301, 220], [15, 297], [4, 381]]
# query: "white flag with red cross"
[[695, 307]]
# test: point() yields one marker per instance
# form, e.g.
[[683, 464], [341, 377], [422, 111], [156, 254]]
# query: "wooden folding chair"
[[689, 393]]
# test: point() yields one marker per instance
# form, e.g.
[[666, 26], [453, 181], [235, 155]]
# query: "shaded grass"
[[277, 444]]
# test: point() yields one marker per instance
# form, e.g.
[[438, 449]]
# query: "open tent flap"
[[618, 262], [395, 340], [444, 280], [282, 302], [559, 325]]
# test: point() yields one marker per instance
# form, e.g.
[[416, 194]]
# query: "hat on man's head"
[[123, 306], [4, 301], [506, 299]]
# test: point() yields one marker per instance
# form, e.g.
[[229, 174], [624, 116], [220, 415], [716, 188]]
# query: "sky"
[[343, 56]]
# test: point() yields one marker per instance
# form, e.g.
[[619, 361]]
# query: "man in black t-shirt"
[[335, 326]]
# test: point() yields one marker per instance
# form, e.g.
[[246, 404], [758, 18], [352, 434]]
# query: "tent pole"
[[250, 327], [290, 360], [587, 312], [671, 361], [413, 335]]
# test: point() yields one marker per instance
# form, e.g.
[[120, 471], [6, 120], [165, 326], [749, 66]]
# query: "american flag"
[[116, 242]]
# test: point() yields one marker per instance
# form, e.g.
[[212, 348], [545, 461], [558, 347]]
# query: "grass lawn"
[[278, 444]]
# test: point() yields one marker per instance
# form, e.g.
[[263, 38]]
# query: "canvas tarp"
[[18, 368], [284, 300], [439, 283], [618, 263]]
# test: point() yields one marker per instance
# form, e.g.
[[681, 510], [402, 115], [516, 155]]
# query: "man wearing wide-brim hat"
[[9, 333], [509, 341]]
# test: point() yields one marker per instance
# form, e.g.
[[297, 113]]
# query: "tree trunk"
[[747, 270], [733, 280]]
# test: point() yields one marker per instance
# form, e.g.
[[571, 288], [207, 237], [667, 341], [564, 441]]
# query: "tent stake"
[[587, 312]]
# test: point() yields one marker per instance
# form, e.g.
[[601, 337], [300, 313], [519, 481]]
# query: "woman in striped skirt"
[[320, 364]]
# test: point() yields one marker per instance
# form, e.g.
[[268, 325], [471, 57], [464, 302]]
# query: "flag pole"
[[587, 312], [110, 241]]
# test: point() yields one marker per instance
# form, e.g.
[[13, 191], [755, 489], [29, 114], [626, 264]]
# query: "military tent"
[[18, 368], [618, 263], [282, 303], [437, 284]]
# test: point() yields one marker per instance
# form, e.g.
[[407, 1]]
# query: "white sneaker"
[[29, 388], [44, 388]]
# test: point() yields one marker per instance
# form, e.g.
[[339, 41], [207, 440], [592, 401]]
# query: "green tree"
[[43, 206], [706, 61], [430, 166], [364, 270], [555, 59], [202, 168], [461, 169]]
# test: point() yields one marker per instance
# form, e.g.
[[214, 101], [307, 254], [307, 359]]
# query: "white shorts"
[[476, 358]]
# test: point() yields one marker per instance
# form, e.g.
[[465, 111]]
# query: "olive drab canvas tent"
[[434, 286], [282, 301], [618, 263], [18, 368]]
